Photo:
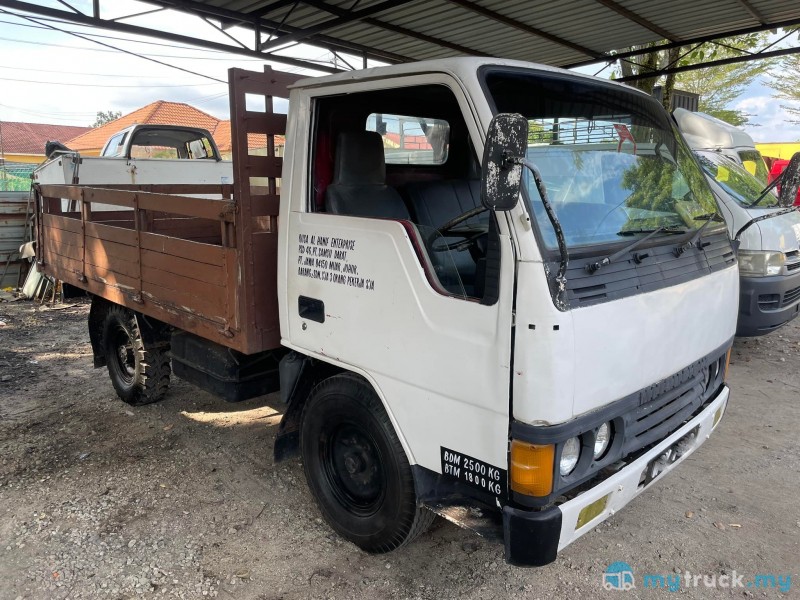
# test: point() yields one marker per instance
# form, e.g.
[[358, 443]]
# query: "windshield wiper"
[[766, 191], [596, 266], [692, 241]]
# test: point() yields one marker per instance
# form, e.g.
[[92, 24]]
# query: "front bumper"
[[534, 538], [766, 303]]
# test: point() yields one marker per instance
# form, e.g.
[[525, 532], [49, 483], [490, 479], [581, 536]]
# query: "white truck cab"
[[489, 290], [545, 361]]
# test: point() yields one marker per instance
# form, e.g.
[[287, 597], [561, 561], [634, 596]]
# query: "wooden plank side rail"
[[208, 264], [188, 284], [204, 208]]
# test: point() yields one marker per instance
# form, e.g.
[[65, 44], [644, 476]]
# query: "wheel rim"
[[352, 466], [124, 355]]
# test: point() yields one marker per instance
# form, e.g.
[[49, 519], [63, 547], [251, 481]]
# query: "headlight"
[[760, 263], [601, 440], [570, 454]]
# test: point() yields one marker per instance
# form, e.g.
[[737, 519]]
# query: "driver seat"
[[435, 203], [359, 179]]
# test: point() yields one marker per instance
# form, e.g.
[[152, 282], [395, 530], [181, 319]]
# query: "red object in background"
[[778, 165]]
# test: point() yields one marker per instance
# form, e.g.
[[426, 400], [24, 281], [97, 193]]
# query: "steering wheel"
[[450, 229]]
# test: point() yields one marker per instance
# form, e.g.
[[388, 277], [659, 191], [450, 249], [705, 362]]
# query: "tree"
[[785, 80], [104, 117], [718, 87]]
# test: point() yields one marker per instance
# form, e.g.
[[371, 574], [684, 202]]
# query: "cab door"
[[364, 292]]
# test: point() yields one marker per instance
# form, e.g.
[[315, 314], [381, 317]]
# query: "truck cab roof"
[[151, 141], [461, 67], [703, 131]]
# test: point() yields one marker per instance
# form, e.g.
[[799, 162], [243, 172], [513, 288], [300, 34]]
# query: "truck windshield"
[[611, 159], [737, 182], [754, 163]]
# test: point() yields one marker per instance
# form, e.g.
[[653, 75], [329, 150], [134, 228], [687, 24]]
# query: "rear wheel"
[[357, 468], [139, 374]]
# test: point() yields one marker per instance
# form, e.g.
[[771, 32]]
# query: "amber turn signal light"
[[532, 468], [727, 364]]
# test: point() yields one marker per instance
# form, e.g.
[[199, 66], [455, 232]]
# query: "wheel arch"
[[313, 371], [97, 315]]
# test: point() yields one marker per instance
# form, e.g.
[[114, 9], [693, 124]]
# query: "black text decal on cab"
[[474, 472]]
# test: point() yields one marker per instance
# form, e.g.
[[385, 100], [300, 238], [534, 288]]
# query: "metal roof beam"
[[638, 19], [351, 16], [713, 63], [272, 6], [324, 42], [500, 18], [82, 19], [753, 11], [695, 40], [255, 21], [399, 29]]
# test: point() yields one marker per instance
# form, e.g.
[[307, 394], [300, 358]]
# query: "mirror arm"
[[561, 277]]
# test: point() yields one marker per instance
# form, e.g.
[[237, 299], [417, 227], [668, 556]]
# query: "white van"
[[704, 132], [769, 250]]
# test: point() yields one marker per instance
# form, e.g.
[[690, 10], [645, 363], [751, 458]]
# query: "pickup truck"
[[485, 289], [139, 155]]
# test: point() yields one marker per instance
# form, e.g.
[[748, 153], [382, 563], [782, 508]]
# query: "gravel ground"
[[182, 499]]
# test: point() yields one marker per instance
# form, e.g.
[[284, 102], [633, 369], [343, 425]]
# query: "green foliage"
[[104, 117], [785, 80], [538, 134], [658, 185], [650, 182], [718, 87]]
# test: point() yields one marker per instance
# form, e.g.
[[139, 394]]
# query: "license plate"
[[657, 465]]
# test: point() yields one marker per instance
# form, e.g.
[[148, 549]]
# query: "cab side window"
[[405, 154]]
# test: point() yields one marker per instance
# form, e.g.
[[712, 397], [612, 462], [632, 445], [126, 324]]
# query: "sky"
[[49, 76]]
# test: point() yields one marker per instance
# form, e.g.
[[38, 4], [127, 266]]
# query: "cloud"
[[770, 121]]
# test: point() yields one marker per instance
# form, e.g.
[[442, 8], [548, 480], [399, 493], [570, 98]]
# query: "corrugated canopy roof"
[[561, 33]]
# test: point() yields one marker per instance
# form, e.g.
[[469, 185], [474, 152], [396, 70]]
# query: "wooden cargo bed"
[[207, 265]]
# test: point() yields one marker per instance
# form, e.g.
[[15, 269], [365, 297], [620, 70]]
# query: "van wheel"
[[140, 375], [357, 468]]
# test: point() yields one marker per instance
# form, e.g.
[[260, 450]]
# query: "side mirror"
[[501, 175], [790, 182]]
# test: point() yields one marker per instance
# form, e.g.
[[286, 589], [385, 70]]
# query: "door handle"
[[311, 309]]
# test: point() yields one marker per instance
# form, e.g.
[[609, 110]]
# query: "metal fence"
[[15, 177]]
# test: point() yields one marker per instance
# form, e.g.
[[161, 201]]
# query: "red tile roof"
[[30, 138], [160, 112]]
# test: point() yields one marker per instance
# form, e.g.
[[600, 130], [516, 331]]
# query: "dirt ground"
[[182, 498]]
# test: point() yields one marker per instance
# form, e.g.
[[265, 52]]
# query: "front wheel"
[[139, 374], [357, 468]]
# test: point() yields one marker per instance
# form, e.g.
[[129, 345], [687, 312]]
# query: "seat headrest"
[[359, 158]]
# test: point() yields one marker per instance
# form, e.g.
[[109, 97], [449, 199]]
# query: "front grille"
[[665, 406], [793, 266], [791, 296], [774, 301]]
